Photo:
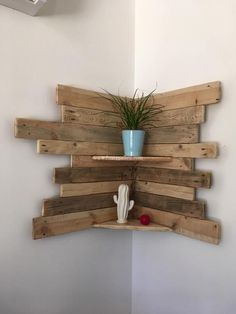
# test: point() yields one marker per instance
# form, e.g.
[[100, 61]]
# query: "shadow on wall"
[[62, 7]]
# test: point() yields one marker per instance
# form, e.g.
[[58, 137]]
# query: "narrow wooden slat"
[[175, 205], [189, 115], [129, 158], [82, 98], [132, 224], [88, 161], [173, 134], [175, 163], [45, 130], [195, 179], [77, 148], [66, 205], [60, 224], [77, 189], [205, 230], [176, 191], [83, 175], [90, 117], [200, 150], [204, 94]]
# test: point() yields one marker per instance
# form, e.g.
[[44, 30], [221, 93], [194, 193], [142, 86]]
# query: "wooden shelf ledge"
[[128, 158], [131, 225]]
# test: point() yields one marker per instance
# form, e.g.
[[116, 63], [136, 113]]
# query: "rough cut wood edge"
[[77, 189], [199, 150], [194, 179], [132, 225], [47, 130], [174, 163], [204, 94], [183, 207], [205, 230], [77, 148], [127, 158], [60, 224], [176, 191]]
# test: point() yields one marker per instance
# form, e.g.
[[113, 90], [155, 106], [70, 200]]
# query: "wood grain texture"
[[132, 225], [87, 116], [175, 205], [204, 94], [77, 189], [199, 150], [61, 224], [195, 179], [65, 205], [173, 134], [174, 163], [176, 191], [82, 175], [189, 115], [45, 130], [78, 148], [204, 230]]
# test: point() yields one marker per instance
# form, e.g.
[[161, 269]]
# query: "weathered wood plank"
[[176, 191], [45, 130], [173, 134], [88, 161], [87, 116], [199, 150], [204, 230], [83, 175], [131, 225], [82, 98], [195, 179], [189, 115], [204, 94], [175, 205], [60, 224], [78, 148], [65, 205], [174, 163], [77, 189]]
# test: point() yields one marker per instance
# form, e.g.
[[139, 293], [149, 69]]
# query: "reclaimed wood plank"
[[65, 205], [170, 204], [189, 115], [78, 148], [195, 179], [204, 230], [77, 189], [173, 134], [83, 175], [204, 94], [46, 130], [82, 98], [185, 164], [182, 192], [61, 224], [132, 224], [199, 150]]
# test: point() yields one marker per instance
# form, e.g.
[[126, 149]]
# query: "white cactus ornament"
[[123, 203]]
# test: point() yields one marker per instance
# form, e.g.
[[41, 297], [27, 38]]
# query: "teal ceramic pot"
[[133, 142]]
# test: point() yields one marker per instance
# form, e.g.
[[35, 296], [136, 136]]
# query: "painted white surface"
[[182, 43], [30, 7], [73, 42]]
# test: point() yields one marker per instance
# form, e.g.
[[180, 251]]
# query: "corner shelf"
[[128, 158], [131, 225]]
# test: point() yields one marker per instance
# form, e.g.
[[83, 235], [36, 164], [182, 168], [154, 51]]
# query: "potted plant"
[[136, 114]]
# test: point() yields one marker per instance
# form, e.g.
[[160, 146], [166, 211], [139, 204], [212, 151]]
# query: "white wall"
[[74, 42], [182, 43]]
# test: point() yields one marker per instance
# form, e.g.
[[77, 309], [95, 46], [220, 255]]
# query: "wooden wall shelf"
[[163, 181]]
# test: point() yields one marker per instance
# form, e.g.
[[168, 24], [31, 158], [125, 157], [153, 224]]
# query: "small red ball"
[[144, 219]]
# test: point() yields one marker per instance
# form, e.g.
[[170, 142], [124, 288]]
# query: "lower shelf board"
[[131, 225]]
